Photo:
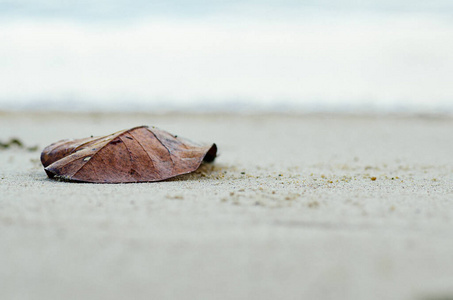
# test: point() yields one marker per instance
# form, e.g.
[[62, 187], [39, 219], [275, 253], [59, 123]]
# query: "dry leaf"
[[139, 154]]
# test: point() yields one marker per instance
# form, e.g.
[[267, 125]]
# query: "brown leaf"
[[138, 154]]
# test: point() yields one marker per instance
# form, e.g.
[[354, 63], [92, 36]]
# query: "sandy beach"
[[314, 206]]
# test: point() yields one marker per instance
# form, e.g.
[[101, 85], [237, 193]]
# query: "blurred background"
[[178, 55]]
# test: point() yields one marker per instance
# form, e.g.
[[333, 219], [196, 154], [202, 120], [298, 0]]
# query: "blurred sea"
[[275, 55]]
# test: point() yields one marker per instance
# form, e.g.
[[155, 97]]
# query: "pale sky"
[[304, 57]]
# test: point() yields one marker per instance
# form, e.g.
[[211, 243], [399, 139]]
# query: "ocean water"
[[226, 55]]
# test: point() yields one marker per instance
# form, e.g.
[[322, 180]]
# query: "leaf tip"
[[211, 154]]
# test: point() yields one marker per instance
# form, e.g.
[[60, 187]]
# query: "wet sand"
[[312, 206]]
